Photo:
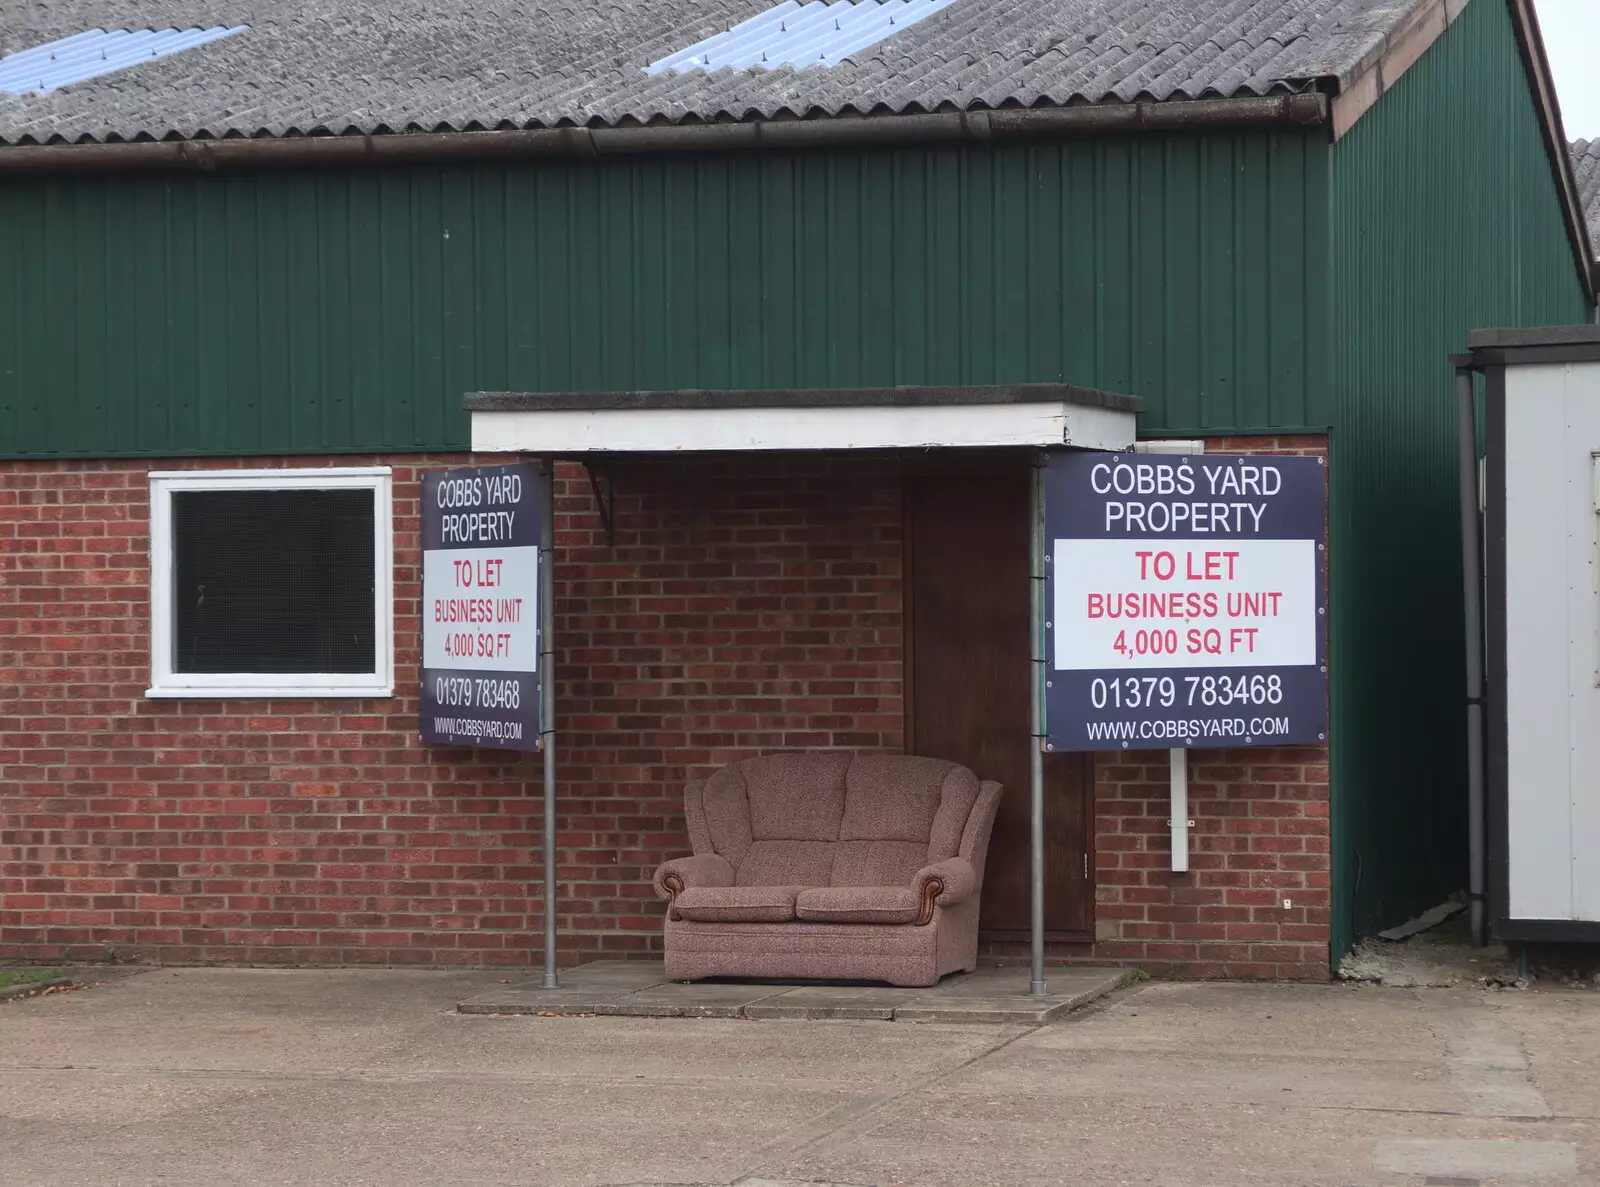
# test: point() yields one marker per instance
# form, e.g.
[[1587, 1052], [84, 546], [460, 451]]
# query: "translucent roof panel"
[[820, 33], [83, 56]]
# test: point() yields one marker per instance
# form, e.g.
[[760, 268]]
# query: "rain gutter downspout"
[[1303, 110]]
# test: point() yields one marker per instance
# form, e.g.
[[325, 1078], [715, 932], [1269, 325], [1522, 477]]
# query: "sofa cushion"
[[786, 863], [892, 797], [795, 797], [737, 904], [960, 793], [859, 904], [726, 809], [876, 863]]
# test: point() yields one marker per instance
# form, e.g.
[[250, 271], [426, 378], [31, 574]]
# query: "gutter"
[[1303, 110]]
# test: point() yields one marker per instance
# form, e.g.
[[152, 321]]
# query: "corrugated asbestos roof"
[[340, 66], [1586, 167]]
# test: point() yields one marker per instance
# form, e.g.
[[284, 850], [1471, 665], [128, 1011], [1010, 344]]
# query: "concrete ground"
[[214, 1077]]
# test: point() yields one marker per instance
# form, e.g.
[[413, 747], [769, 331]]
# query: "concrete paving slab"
[[1477, 1159], [1560, 1035], [629, 974], [293, 1016], [1170, 1044], [1000, 995], [675, 1051], [700, 1000], [1011, 1137], [516, 1000], [818, 1002], [1212, 1078], [1321, 1022], [612, 989]]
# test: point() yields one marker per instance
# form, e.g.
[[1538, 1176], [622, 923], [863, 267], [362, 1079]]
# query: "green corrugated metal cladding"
[[349, 310], [1445, 218]]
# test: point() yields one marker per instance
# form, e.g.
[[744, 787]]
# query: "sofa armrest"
[[944, 883], [703, 869]]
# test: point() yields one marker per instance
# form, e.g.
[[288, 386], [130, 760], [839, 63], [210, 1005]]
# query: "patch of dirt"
[[1443, 957], [1440, 958]]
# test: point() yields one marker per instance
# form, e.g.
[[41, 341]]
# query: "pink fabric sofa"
[[830, 865]]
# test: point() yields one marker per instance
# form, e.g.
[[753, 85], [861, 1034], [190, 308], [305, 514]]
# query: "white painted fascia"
[[695, 430]]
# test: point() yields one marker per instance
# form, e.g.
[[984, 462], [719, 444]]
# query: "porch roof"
[[1029, 414]]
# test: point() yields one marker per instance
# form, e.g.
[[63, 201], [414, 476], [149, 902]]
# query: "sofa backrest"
[[831, 818]]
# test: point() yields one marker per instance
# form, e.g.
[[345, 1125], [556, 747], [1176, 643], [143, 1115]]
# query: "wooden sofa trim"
[[674, 885]]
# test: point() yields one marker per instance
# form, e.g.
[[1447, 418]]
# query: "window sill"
[[259, 692]]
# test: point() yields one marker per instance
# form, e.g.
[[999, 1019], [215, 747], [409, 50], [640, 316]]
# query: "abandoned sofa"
[[830, 865]]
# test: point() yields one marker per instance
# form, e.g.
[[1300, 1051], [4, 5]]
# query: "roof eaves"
[[1393, 52], [283, 146], [1399, 49]]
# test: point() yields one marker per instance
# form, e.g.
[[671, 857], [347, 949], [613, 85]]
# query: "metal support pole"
[[547, 714], [1472, 600], [1179, 824], [1036, 730]]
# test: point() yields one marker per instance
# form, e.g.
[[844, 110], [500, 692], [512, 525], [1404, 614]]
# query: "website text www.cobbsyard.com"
[[1160, 731], [466, 727]]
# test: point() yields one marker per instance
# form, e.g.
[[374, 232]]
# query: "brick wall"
[[746, 605], [1261, 835]]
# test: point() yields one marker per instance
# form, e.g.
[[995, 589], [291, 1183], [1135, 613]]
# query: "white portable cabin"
[[1540, 498]]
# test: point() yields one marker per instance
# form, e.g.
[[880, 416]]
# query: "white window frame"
[[165, 682]]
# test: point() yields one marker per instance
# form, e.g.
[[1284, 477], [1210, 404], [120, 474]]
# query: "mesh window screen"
[[273, 581]]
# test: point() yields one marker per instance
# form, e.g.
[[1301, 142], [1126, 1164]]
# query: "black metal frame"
[[1547, 931], [605, 503], [1497, 724]]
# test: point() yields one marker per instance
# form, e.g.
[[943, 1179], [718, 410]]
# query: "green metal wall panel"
[[340, 311], [1445, 218]]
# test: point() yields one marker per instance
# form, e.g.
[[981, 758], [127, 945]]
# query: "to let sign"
[[1187, 603], [480, 608]]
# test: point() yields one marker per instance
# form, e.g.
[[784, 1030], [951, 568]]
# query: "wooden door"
[[967, 650]]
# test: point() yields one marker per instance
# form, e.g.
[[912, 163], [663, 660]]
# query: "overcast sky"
[[1572, 39]]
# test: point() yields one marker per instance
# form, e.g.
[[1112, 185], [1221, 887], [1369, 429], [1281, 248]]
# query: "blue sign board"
[[1186, 601]]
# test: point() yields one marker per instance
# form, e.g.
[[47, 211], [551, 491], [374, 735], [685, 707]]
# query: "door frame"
[[976, 463]]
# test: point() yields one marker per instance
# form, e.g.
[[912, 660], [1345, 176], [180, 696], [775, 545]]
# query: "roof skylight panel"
[[75, 59], [802, 35]]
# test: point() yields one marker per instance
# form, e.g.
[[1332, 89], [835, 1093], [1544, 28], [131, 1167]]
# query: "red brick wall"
[[1261, 835], [746, 605]]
